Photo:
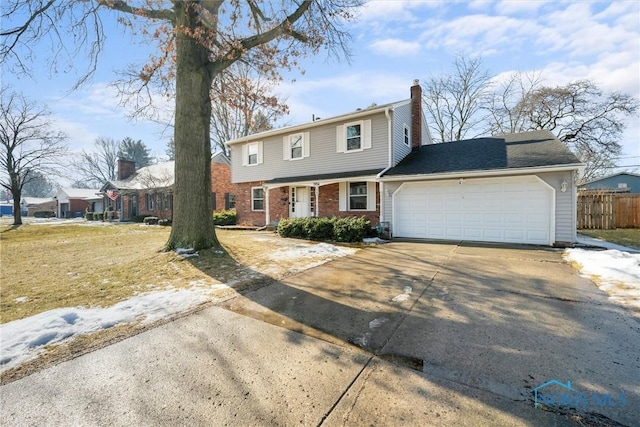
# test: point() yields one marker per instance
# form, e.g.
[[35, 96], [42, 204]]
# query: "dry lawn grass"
[[621, 236], [62, 264]]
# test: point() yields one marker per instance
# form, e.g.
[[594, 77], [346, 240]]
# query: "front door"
[[299, 202]]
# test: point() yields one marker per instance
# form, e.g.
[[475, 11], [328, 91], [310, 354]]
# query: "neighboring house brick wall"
[[76, 205], [221, 183]]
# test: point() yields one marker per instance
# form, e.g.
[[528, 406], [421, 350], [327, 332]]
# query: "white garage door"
[[511, 209]]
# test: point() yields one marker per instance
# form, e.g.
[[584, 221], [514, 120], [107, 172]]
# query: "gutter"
[[478, 174]]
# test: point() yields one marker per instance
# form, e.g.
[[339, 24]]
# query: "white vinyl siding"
[[566, 212], [401, 120], [353, 137], [351, 193], [296, 146], [252, 153]]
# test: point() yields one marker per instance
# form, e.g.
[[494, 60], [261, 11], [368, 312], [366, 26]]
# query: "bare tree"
[[38, 186], [100, 165], [197, 40], [587, 120], [29, 145], [455, 102], [245, 105]]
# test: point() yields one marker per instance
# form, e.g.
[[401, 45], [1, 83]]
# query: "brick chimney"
[[126, 168], [416, 115]]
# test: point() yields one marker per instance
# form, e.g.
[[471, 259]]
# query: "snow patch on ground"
[[615, 272], [23, 339], [406, 293], [303, 250], [376, 240]]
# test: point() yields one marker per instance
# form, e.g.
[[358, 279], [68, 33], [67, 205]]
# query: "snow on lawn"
[[320, 250], [615, 272], [23, 339]]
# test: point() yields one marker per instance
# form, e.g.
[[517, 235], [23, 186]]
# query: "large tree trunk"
[[192, 216], [17, 212]]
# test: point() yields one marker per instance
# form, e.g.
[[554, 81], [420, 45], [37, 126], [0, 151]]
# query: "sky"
[[394, 42]]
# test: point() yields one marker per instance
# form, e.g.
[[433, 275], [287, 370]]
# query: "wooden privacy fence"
[[607, 211]]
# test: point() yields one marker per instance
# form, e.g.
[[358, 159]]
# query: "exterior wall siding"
[[565, 205], [323, 156], [401, 117]]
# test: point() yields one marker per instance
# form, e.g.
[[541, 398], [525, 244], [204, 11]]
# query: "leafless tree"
[[197, 41], [587, 120], [29, 145], [455, 103], [100, 165]]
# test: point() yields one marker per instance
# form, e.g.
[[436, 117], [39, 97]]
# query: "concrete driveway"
[[400, 334]]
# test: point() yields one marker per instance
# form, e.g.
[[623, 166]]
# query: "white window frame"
[[365, 136], [406, 135], [247, 148], [344, 196], [365, 195], [360, 136], [253, 199], [287, 146]]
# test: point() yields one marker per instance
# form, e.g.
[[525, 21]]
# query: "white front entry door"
[[300, 206]]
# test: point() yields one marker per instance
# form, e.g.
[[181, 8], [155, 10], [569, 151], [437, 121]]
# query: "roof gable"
[[510, 151]]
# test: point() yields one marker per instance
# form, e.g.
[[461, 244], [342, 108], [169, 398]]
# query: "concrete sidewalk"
[[399, 334]]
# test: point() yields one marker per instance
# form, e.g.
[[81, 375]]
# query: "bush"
[[351, 229], [138, 218], [100, 216], [89, 216], [164, 222], [151, 220], [44, 214], [227, 217]]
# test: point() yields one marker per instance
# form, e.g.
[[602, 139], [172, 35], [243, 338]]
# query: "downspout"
[[387, 113]]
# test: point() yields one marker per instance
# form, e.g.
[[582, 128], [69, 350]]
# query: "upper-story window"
[[252, 153], [354, 136], [407, 135], [295, 146]]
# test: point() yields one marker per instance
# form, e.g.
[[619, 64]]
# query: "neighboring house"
[[380, 163], [31, 205], [149, 190], [74, 202], [622, 182], [326, 167], [515, 188]]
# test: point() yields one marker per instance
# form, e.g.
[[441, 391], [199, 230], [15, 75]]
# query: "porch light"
[[564, 186]]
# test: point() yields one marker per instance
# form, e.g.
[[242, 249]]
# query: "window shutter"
[[371, 196], [260, 152], [227, 205], [343, 195], [305, 150], [341, 141], [245, 155], [366, 134], [286, 150]]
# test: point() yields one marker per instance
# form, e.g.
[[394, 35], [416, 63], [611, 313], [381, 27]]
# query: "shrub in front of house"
[[89, 216], [138, 218], [44, 214], [352, 229], [151, 220], [164, 222], [319, 228], [100, 216], [226, 217]]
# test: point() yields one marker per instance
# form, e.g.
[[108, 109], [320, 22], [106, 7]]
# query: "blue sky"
[[394, 42]]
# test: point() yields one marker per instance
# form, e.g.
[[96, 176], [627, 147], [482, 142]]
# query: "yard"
[[621, 236]]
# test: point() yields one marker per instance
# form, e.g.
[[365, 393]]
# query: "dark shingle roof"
[[511, 151]]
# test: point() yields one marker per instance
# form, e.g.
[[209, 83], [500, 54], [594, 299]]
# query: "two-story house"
[[326, 167], [380, 163]]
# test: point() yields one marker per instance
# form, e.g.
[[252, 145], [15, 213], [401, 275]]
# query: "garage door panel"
[[510, 209]]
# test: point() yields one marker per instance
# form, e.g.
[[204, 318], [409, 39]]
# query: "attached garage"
[[517, 209]]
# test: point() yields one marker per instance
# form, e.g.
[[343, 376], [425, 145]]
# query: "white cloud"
[[395, 47], [510, 7], [394, 10]]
